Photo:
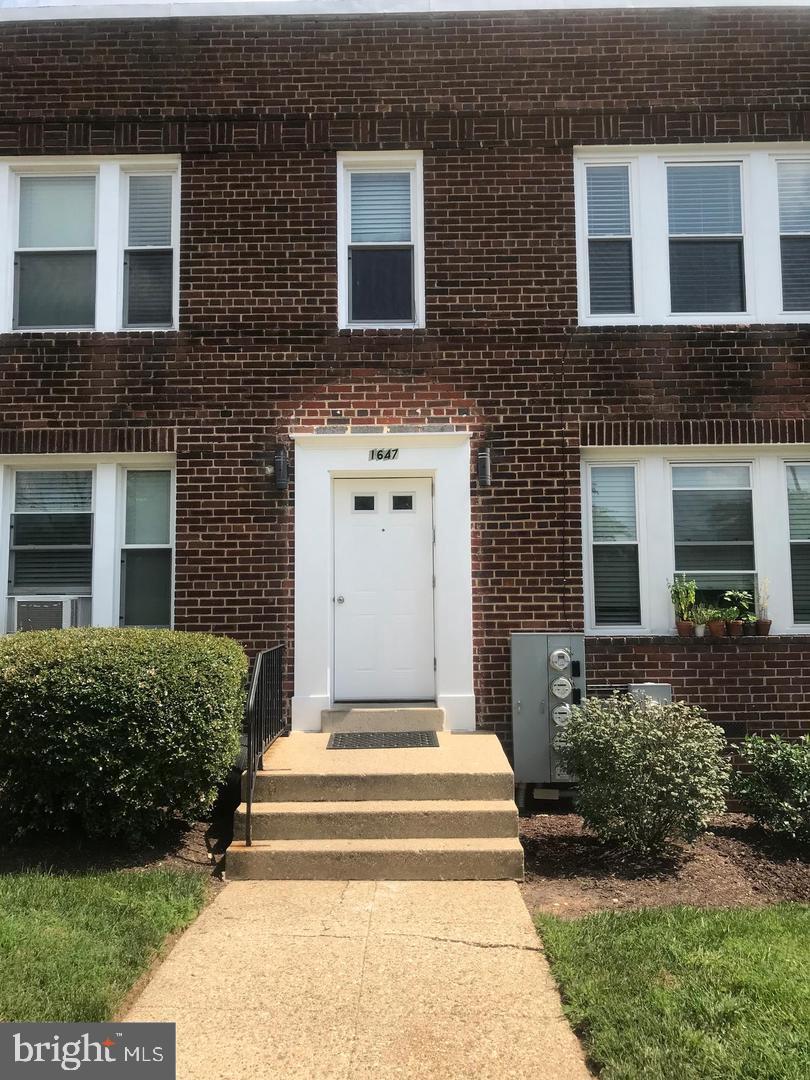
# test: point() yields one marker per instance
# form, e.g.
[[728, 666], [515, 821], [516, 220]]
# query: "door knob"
[[340, 600]]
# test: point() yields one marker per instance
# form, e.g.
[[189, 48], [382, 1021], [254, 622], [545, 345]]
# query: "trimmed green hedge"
[[775, 789], [115, 731]]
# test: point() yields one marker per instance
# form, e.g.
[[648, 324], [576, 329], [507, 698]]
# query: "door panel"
[[384, 590]]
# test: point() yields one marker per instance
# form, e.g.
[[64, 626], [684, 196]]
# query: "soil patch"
[[570, 873]]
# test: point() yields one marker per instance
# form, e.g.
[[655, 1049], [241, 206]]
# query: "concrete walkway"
[[330, 980]]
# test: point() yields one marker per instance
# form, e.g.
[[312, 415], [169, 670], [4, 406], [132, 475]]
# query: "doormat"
[[381, 740]]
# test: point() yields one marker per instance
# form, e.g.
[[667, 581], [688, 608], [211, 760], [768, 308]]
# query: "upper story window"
[[690, 235], [380, 243], [89, 244], [730, 519]]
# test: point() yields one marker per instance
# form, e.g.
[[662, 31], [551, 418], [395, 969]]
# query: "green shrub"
[[115, 731], [647, 772], [775, 789]]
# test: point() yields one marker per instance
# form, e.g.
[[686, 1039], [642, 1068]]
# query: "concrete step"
[[301, 769], [433, 859], [372, 717], [379, 819]]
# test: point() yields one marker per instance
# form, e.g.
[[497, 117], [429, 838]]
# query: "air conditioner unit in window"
[[49, 612]]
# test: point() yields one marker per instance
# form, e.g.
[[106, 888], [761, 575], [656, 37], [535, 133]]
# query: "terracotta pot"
[[717, 627], [749, 628], [735, 628], [764, 626], [685, 627]]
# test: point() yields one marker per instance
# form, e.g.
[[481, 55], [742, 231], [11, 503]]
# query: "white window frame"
[[112, 186], [650, 223], [656, 530], [109, 505], [409, 161]]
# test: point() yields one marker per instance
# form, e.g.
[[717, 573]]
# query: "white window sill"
[[383, 326], [92, 330], [740, 319]]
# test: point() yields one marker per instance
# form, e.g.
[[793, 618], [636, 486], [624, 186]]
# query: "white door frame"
[[319, 459]]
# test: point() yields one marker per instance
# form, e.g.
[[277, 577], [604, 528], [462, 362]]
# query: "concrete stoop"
[[444, 813]]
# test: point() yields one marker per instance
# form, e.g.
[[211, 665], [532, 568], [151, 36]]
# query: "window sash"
[[146, 561], [615, 552]]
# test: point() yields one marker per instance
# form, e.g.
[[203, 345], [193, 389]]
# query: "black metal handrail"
[[265, 718]]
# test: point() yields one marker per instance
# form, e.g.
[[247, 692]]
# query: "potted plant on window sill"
[[683, 594], [763, 595], [701, 616], [739, 602], [749, 624], [716, 622]]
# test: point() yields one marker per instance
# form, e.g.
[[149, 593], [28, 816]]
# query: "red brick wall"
[[257, 110]]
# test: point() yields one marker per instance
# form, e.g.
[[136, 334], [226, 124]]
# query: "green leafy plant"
[[703, 614], [729, 614], [739, 601], [683, 594], [115, 731], [648, 772], [774, 786], [714, 614]]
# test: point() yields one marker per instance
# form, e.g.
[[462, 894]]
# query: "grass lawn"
[[71, 946], [686, 993]]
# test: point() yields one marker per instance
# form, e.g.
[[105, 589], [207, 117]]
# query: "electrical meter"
[[561, 714], [561, 687], [560, 659]]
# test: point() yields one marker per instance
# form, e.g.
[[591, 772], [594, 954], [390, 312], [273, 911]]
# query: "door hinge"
[[434, 663], [434, 581]]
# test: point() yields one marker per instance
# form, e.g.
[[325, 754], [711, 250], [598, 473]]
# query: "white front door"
[[384, 590]]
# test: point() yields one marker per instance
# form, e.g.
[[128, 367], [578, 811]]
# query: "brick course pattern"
[[257, 109]]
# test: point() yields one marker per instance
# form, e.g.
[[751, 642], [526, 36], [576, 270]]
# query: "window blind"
[[613, 503], [617, 598], [704, 200], [380, 208], [610, 248], [794, 226], [608, 192], [53, 491], [798, 486], [150, 211], [147, 508], [57, 211]]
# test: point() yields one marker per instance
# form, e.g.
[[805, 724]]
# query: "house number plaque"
[[391, 454]]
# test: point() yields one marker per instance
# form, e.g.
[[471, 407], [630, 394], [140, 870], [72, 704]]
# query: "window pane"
[[55, 290], [704, 200], [610, 275], [795, 272], [57, 211], [608, 200], [148, 288], [147, 588], [381, 285], [148, 507], [800, 567], [613, 502], [364, 502], [713, 516], [616, 591], [794, 196], [692, 558], [711, 587], [63, 572], [798, 485], [150, 211], [711, 476], [707, 275], [53, 491], [43, 530], [381, 208]]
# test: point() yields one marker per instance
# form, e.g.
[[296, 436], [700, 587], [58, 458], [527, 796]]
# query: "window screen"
[[610, 245], [55, 260], [617, 596], [794, 233], [714, 528], [149, 256], [381, 250], [706, 257]]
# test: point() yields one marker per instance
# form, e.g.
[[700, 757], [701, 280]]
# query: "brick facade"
[[257, 110]]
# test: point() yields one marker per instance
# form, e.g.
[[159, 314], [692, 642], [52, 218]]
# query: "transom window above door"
[[380, 243], [693, 234], [89, 243]]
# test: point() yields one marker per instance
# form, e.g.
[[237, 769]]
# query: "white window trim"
[[111, 175], [380, 161], [654, 516], [108, 510], [650, 224]]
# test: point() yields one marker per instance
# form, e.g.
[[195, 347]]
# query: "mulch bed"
[[570, 873]]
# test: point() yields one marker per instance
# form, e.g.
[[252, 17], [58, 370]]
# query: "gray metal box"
[[538, 690]]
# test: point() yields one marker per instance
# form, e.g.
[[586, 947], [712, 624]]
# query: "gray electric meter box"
[[548, 677]]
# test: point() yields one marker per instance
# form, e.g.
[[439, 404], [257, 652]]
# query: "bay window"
[[87, 542], [730, 519], [686, 234], [89, 243], [380, 261]]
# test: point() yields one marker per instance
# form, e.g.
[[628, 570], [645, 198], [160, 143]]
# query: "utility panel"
[[548, 677]]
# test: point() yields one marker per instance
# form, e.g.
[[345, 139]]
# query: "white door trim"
[[319, 459]]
